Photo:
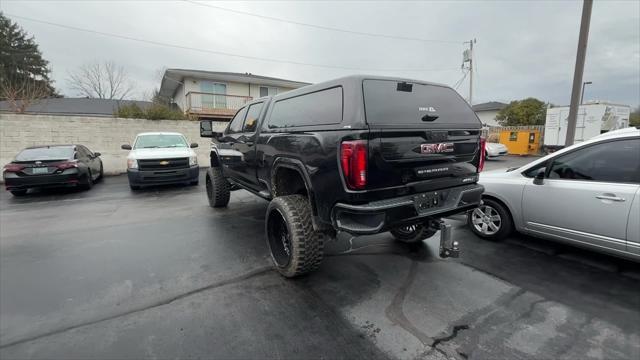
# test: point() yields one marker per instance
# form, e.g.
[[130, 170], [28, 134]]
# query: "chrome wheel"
[[486, 220]]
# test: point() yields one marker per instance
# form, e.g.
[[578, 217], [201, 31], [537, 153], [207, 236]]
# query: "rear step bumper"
[[378, 216]]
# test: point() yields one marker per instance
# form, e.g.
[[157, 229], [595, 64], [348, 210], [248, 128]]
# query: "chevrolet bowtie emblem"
[[164, 162]]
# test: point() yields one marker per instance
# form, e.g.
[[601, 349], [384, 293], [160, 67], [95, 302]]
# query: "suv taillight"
[[353, 159], [67, 165], [483, 153]]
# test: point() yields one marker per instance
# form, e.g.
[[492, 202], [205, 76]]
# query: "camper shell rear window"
[[391, 102]]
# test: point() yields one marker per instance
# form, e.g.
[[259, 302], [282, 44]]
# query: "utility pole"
[[579, 71], [467, 56]]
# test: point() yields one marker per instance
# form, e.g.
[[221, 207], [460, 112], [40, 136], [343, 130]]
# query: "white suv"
[[161, 158]]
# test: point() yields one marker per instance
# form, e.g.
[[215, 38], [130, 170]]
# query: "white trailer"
[[593, 119]]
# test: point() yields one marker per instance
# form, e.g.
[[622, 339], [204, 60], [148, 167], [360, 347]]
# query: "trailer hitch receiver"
[[448, 247]]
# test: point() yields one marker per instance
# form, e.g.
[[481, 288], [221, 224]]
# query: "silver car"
[[495, 150], [587, 195]]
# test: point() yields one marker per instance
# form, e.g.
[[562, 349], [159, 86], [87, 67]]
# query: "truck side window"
[[318, 108], [235, 126], [251, 121]]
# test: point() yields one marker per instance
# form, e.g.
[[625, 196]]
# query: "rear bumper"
[[69, 177], [159, 177], [378, 216]]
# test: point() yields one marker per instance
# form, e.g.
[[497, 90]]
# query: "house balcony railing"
[[211, 104]]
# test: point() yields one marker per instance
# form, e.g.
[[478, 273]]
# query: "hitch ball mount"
[[448, 247]]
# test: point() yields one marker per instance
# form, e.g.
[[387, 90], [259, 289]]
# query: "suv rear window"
[[389, 102], [322, 107], [46, 153]]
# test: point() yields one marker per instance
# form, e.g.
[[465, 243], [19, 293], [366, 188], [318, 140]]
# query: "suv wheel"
[[295, 247], [490, 220], [217, 188], [413, 233]]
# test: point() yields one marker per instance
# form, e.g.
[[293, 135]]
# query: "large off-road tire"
[[295, 247], [491, 220], [19, 192], [413, 233], [217, 188]]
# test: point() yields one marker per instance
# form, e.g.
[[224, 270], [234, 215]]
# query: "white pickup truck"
[[158, 158]]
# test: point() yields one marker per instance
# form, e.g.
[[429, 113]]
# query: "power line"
[[321, 27], [182, 47]]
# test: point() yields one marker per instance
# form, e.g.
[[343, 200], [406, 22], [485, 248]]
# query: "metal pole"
[[579, 71], [471, 72]]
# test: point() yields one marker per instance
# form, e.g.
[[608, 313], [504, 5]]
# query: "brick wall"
[[104, 135]]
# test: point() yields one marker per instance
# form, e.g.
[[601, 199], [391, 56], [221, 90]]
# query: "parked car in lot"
[[158, 158], [52, 166], [495, 150], [587, 195], [361, 154]]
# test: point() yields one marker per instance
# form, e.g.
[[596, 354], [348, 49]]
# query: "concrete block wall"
[[102, 134]]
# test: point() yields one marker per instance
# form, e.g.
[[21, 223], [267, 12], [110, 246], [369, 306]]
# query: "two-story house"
[[217, 95]]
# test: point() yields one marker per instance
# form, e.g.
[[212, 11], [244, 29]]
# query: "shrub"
[[153, 112]]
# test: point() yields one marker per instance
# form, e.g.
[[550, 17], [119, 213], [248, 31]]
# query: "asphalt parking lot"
[[110, 273]]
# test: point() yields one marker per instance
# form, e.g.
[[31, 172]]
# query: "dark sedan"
[[52, 166]]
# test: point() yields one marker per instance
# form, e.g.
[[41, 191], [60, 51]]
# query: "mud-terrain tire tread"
[[217, 188], [307, 244]]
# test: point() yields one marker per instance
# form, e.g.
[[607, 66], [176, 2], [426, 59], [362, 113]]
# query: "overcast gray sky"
[[523, 49]]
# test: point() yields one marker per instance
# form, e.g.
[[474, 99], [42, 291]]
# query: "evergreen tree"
[[22, 68]]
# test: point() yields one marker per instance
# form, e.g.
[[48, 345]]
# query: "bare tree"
[[103, 81], [22, 94]]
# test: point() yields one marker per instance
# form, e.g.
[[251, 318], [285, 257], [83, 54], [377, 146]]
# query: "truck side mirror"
[[194, 145], [126, 147], [206, 129], [539, 178]]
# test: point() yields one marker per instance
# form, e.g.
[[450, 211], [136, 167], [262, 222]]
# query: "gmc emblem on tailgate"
[[436, 148]]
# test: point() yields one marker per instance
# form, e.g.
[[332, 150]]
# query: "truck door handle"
[[611, 197]]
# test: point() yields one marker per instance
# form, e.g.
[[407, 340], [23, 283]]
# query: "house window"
[[268, 91], [214, 95], [513, 136]]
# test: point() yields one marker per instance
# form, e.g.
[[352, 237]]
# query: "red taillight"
[[353, 159], [67, 165], [483, 152], [13, 167]]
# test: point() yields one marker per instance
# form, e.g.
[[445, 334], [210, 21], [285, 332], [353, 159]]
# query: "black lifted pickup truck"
[[360, 154]]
